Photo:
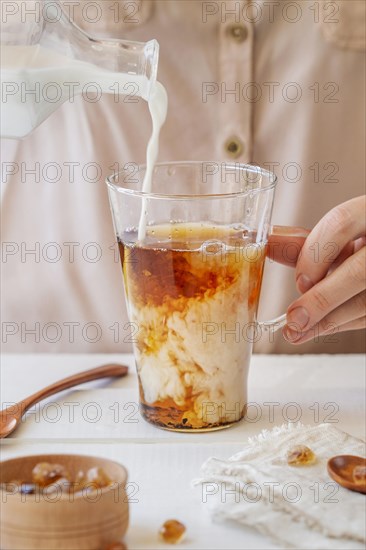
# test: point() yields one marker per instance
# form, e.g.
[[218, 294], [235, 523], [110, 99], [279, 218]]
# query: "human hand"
[[330, 275]]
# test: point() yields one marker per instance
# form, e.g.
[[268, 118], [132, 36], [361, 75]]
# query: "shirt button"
[[239, 33], [234, 147]]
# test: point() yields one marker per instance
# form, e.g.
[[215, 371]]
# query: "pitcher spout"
[[138, 59]]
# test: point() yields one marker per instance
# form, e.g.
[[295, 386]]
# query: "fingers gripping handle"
[[273, 324], [299, 234]]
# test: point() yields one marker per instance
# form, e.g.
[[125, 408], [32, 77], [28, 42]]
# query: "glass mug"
[[192, 253]]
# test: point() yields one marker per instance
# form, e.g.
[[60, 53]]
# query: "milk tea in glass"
[[192, 251]]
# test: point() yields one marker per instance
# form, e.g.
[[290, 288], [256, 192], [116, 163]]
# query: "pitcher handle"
[[299, 234]]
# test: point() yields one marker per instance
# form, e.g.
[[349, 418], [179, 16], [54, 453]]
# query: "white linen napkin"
[[297, 507]]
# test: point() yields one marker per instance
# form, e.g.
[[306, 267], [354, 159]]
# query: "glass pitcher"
[[47, 59]]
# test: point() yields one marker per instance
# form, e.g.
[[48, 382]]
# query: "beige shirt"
[[280, 84]]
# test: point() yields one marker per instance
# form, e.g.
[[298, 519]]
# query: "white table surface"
[[102, 419]]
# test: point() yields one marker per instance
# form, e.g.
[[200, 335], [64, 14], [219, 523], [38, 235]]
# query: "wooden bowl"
[[84, 521]]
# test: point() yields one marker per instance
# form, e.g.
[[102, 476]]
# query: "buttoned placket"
[[236, 38]]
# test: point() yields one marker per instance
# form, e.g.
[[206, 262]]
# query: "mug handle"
[[298, 234]]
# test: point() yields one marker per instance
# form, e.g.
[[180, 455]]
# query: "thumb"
[[285, 244]]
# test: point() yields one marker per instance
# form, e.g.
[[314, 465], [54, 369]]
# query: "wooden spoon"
[[341, 468], [10, 417]]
